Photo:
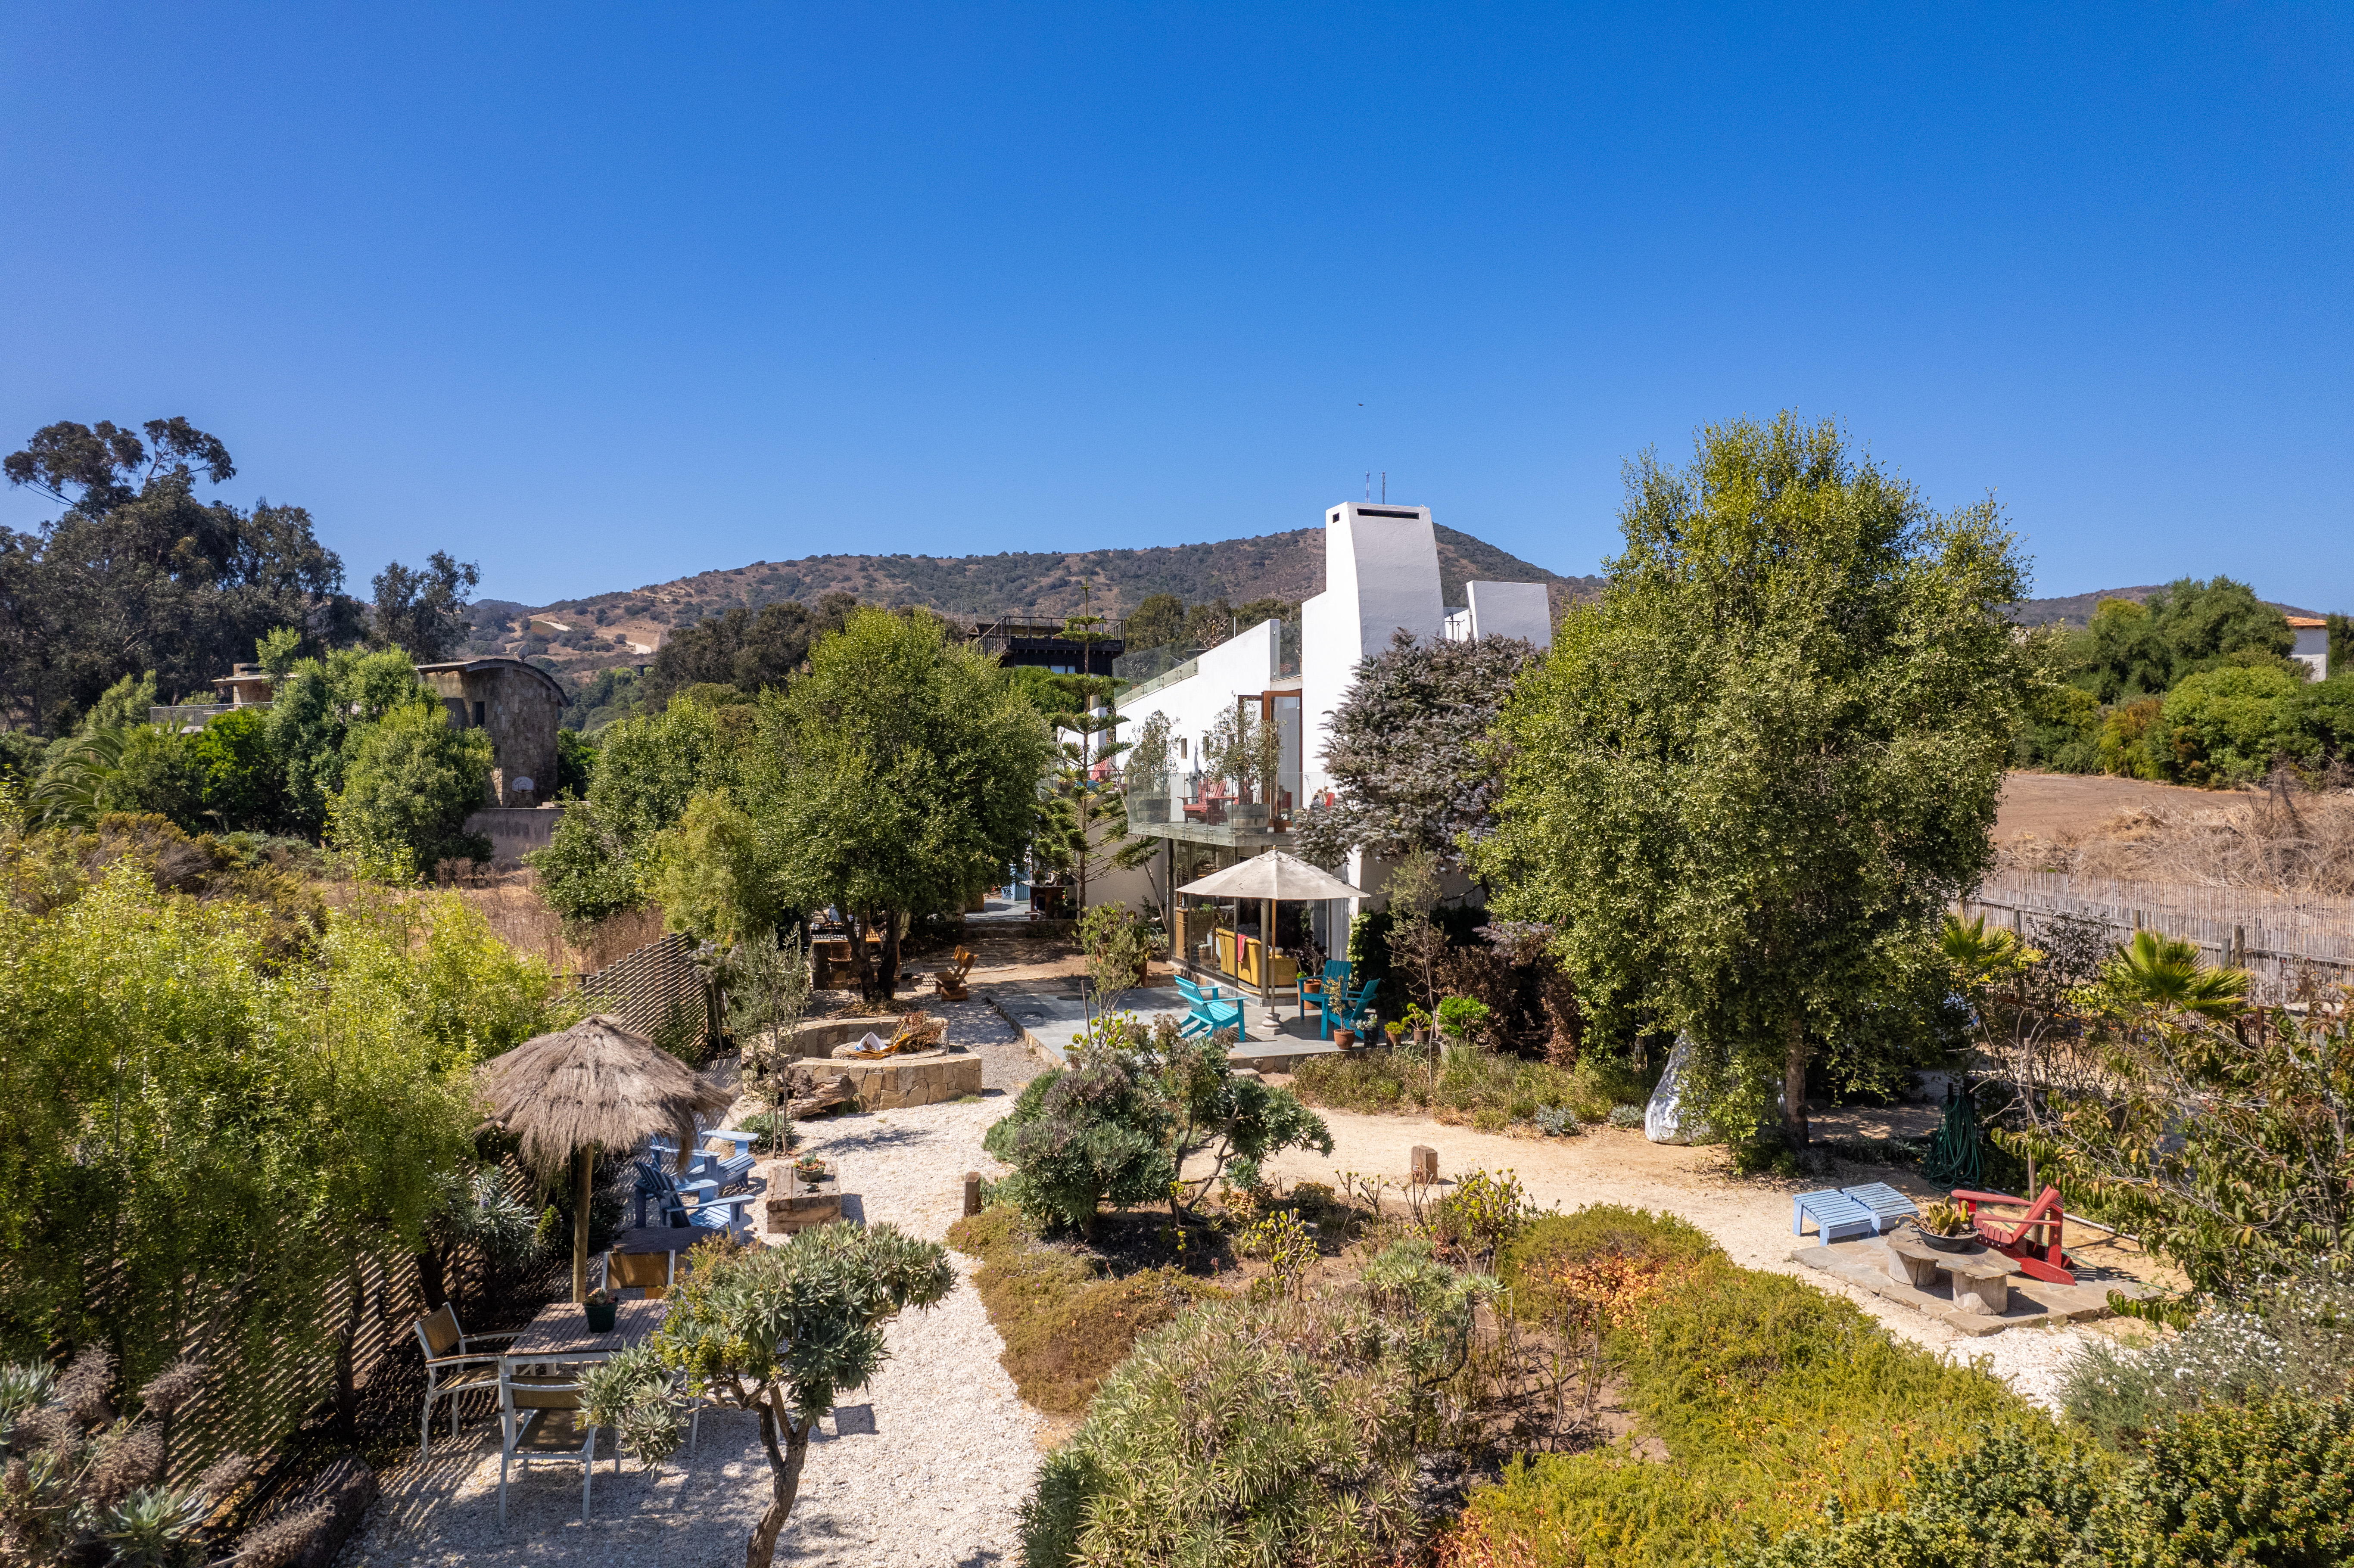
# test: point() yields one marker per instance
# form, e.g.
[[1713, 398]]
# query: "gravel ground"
[[936, 1479]]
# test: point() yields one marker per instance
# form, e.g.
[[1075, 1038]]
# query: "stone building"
[[518, 704]]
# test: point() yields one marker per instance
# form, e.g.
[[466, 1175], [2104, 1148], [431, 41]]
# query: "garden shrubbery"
[[1768, 1395], [1064, 1323], [1261, 1431], [1486, 1089]]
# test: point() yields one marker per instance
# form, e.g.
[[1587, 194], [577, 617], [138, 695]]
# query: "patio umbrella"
[[1268, 877], [594, 1085], [1272, 876]]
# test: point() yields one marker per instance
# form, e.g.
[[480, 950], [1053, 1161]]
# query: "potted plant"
[[1418, 1023], [810, 1170], [1393, 1028], [1944, 1227], [600, 1307]]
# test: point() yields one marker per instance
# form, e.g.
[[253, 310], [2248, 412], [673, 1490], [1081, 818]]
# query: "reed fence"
[[2290, 944]]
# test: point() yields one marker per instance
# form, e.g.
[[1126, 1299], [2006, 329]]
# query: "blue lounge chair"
[[728, 1169], [1206, 1014], [1354, 1010], [1837, 1216], [1889, 1207]]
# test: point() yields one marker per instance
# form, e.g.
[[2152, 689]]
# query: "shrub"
[[1626, 1116], [2285, 1337], [1482, 1211], [1558, 1121], [1460, 1085], [2220, 727], [1081, 1137], [1769, 1396], [2261, 1483], [1602, 1250], [408, 791], [1247, 1433]]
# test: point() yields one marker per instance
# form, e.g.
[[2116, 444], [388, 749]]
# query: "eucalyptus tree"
[[1748, 780]]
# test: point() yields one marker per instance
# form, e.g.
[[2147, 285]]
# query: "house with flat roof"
[[1381, 574]]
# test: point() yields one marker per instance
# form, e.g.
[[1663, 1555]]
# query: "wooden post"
[[1422, 1163], [973, 1193], [2239, 946], [584, 1162]]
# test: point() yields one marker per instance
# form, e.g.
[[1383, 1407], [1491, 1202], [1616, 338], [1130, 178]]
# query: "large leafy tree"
[[412, 782], [2141, 650], [140, 574], [320, 710], [1750, 776], [648, 768], [422, 611], [896, 776], [1408, 754]]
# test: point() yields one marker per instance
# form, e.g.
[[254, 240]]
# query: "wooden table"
[[560, 1332]]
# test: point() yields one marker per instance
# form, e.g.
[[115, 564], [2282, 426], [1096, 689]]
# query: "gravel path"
[[937, 1455]]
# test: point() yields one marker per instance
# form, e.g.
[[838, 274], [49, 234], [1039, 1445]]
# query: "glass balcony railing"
[[1153, 668]]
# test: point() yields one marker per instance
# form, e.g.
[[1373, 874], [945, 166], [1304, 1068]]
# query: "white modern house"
[[1381, 574]]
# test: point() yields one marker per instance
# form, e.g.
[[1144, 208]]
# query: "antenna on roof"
[[1385, 484]]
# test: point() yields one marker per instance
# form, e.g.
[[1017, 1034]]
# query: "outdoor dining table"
[[559, 1333]]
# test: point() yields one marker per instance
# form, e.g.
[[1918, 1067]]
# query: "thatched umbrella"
[[594, 1085]]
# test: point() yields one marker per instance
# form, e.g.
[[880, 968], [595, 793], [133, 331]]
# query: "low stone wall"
[[914, 1079], [819, 1036]]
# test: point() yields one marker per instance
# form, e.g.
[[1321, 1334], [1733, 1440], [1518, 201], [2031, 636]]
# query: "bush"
[[1469, 1085], [1081, 1137], [2222, 727], [2285, 1337], [1064, 1327], [1559, 1256], [2263, 1483], [1769, 1396], [412, 782], [1628, 1116], [1258, 1432]]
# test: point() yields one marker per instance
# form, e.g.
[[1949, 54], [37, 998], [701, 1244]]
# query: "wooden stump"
[[971, 1192], [1422, 1163]]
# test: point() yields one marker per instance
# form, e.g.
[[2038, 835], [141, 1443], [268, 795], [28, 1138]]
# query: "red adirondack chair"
[[2032, 1237]]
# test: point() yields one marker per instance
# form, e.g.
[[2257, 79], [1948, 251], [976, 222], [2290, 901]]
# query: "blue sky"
[[601, 296]]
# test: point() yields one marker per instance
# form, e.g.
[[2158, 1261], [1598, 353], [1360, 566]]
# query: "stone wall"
[[516, 831]]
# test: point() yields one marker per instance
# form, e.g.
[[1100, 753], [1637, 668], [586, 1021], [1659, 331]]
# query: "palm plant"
[[2164, 973]]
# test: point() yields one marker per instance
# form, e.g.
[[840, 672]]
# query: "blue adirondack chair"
[[695, 1202], [1351, 1010], [1336, 984], [1208, 1014], [728, 1169]]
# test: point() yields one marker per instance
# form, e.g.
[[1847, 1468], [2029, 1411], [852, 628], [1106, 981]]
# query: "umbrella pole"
[[584, 1161], [1267, 965]]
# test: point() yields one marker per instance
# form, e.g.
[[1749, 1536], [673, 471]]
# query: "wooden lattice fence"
[[654, 990]]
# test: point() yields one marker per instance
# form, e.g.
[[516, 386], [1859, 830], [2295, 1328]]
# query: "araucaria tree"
[[1409, 755], [898, 776], [1747, 781]]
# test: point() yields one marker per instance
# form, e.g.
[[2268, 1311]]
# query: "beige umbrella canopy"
[[594, 1085], [1268, 877], [1274, 874]]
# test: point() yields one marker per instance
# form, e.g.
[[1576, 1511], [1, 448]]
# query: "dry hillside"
[[583, 635]]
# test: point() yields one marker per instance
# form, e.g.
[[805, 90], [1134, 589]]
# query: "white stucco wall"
[[2312, 649], [1510, 609]]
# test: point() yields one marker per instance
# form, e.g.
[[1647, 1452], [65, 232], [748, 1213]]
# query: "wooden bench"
[[1981, 1281]]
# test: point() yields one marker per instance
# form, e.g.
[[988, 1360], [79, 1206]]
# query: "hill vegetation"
[[581, 637]]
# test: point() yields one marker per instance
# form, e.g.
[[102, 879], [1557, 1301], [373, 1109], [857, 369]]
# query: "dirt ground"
[[2052, 806]]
